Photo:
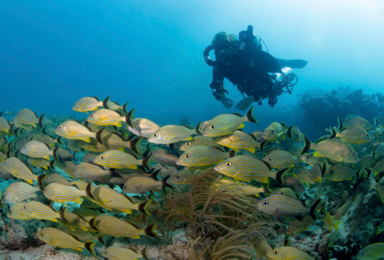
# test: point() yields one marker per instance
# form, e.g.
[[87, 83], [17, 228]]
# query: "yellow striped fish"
[[279, 159], [330, 222], [355, 121], [353, 135], [183, 176], [343, 209], [18, 192], [248, 189], [297, 226], [122, 253], [18, 169], [141, 185], [118, 228], [58, 238], [239, 140], [288, 253], [118, 160], [198, 140], [17, 212], [275, 131], [74, 130], [227, 123], [112, 200], [170, 134], [312, 160], [246, 168], [26, 117], [114, 141], [142, 127], [284, 206], [79, 233], [72, 220], [39, 162], [87, 171], [371, 252], [40, 211], [37, 149], [201, 155], [107, 117], [53, 178], [4, 125], [86, 104], [62, 193], [340, 172]]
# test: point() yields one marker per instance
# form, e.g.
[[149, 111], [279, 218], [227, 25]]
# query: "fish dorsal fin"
[[237, 114], [134, 155], [218, 148], [96, 98], [98, 135], [87, 126], [134, 225], [92, 224], [118, 112], [73, 237], [46, 146], [253, 137], [128, 198]]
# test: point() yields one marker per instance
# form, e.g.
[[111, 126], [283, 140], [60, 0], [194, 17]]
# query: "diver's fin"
[[294, 64]]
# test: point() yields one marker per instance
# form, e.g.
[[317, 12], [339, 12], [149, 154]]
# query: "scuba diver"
[[255, 72]]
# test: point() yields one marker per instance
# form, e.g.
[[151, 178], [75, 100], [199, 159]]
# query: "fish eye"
[[353, 153], [362, 254], [188, 143], [265, 203], [45, 190], [102, 157], [60, 127], [300, 186], [367, 135], [269, 159], [228, 164], [125, 187], [212, 126], [92, 115], [24, 147], [177, 177], [6, 162], [272, 131], [25, 207], [5, 195], [276, 252], [187, 156], [297, 226], [18, 230], [41, 234], [10, 211], [74, 170], [155, 135]]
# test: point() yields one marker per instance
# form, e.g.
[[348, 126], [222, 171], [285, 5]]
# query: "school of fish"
[[89, 170]]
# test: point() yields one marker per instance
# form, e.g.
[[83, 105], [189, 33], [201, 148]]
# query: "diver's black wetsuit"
[[249, 71]]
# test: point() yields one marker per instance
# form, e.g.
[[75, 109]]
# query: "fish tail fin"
[[143, 207], [124, 107], [40, 179], [250, 116], [341, 124], [233, 153], [59, 140], [290, 132], [144, 253], [105, 102], [101, 240], [262, 146], [150, 231], [129, 117], [40, 121], [128, 211], [134, 144], [30, 181], [313, 208], [98, 135], [165, 182], [198, 128], [145, 162], [333, 133], [92, 224], [54, 153], [62, 214], [88, 190], [280, 174], [307, 144], [89, 246]]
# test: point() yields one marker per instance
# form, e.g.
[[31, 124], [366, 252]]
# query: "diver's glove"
[[245, 103], [228, 103]]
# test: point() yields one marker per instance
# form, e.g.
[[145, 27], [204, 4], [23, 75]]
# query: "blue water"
[[52, 53]]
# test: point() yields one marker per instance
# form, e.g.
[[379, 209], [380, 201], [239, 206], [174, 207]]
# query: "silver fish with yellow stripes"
[[118, 228], [284, 206], [112, 200], [118, 160], [62, 193], [17, 228], [371, 252], [353, 135], [275, 131], [107, 117], [17, 212], [164, 157], [87, 104], [170, 134], [248, 189], [40, 211], [183, 176], [246, 168], [26, 117], [58, 238], [72, 220], [143, 127], [37, 149], [18, 169], [82, 235], [288, 253], [227, 123], [355, 121], [199, 140], [53, 178], [279, 159], [297, 225], [74, 130], [4, 126], [141, 185], [87, 171], [340, 172], [39, 162], [201, 155], [123, 253], [334, 149], [18, 192], [239, 140]]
